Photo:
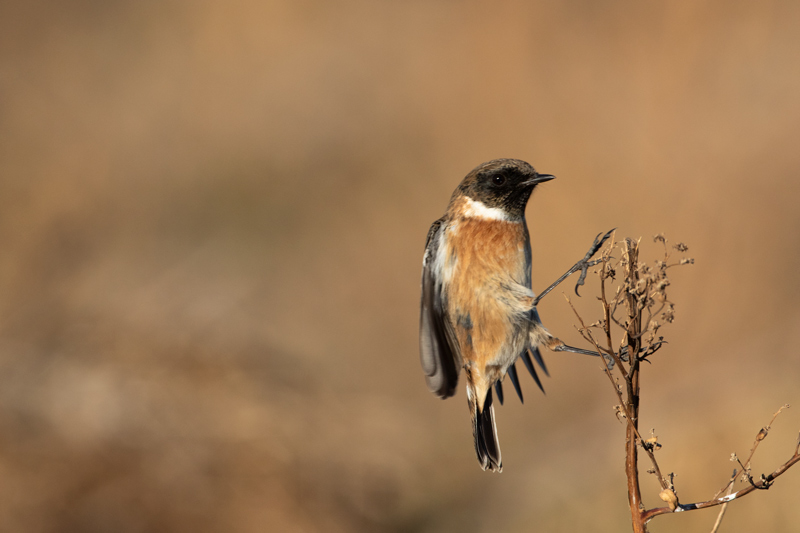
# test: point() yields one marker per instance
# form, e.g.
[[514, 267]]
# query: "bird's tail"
[[485, 432]]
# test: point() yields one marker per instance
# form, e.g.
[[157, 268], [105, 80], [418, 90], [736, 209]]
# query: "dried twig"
[[724, 507], [765, 482], [641, 293]]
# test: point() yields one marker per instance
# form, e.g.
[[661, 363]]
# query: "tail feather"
[[484, 429], [498, 387], [529, 365]]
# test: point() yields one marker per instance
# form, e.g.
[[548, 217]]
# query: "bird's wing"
[[439, 354]]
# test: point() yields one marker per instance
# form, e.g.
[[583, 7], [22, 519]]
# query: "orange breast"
[[482, 254]]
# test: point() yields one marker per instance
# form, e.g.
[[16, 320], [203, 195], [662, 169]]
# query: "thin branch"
[[764, 483], [623, 404], [641, 292], [762, 434], [724, 505]]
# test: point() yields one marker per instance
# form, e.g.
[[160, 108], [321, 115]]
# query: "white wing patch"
[[442, 267]]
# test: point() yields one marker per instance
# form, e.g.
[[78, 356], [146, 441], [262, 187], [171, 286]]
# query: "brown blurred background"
[[212, 218]]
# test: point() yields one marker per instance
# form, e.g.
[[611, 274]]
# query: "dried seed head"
[[668, 495], [762, 434], [652, 444], [641, 285], [681, 247]]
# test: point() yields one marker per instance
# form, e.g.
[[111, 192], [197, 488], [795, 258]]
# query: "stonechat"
[[478, 311]]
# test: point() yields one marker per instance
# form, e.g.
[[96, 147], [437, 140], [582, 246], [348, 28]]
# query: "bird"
[[478, 311]]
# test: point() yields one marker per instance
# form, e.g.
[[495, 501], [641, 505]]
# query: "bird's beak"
[[540, 178]]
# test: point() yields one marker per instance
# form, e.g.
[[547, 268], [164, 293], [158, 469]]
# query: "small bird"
[[478, 311]]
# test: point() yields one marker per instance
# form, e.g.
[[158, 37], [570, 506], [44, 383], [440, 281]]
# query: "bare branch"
[[764, 483], [641, 293], [623, 404], [724, 507]]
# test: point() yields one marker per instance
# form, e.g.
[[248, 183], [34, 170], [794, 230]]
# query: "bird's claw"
[[644, 353], [586, 264], [653, 348]]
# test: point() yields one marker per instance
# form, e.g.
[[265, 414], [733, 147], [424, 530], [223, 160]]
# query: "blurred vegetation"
[[212, 218]]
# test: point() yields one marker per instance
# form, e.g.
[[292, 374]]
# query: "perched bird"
[[478, 310]]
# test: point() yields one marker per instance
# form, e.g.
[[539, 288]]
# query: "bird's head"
[[503, 186]]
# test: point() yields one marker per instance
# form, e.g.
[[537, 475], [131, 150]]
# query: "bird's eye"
[[499, 179]]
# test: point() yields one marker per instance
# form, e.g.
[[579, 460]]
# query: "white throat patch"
[[477, 209]]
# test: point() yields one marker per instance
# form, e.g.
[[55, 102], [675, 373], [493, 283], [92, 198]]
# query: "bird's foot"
[[586, 263]]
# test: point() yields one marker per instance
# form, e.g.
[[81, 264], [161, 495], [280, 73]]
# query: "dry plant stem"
[[607, 314], [642, 289], [621, 367], [761, 436], [632, 403], [724, 507], [623, 404], [762, 484], [729, 487]]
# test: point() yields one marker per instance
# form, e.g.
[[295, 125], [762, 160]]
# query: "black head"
[[503, 183]]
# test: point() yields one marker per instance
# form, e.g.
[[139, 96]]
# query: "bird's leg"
[[582, 265], [539, 336], [557, 345]]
